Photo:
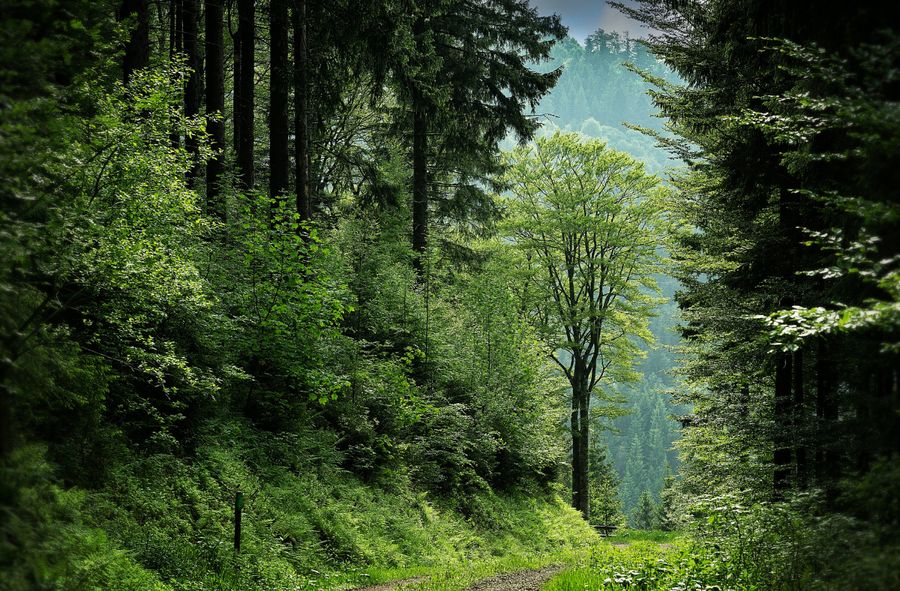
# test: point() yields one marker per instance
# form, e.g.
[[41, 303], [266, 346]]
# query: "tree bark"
[[215, 105], [577, 461], [827, 458], [278, 99], [6, 415], [301, 108], [175, 38], [137, 49], [581, 399], [236, 87], [192, 87], [420, 171], [584, 489], [420, 188], [782, 425], [247, 33], [800, 430]]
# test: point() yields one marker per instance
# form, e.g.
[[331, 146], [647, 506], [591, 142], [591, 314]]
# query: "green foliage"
[[606, 508], [580, 209]]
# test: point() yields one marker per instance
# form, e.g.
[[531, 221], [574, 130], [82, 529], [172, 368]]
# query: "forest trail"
[[523, 580], [398, 584]]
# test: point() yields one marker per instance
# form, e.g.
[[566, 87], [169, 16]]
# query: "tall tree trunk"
[[247, 32], [827, 457], [137, 49], [192, 88], [584, 499], [800, 422], [6, 412], [782, 426], [420, 170], [580, 438], [577, 456], [215, 105], [236, 86], [301, 108], [278, 98], [420, 187], [175, 38]]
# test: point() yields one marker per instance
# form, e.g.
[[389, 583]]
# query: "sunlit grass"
[[631, 559]]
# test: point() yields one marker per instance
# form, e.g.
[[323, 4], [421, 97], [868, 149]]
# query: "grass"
[[632, 559], [638, 535]]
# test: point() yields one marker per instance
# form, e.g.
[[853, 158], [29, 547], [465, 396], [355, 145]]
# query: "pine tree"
[[214, 42], [644, 514], [244, 112], [278, 98], [606, 507], [469, 86]]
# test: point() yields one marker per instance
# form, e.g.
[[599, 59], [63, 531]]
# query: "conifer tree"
[[469, 85], [644, 514]]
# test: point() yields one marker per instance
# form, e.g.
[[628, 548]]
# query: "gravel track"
[[525, 580], [392, 584]]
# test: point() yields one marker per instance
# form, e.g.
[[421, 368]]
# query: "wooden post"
[[238, 506]]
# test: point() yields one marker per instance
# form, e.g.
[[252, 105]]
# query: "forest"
[[335, 295]]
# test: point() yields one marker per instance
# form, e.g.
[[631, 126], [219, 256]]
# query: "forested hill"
[[278, 312], [598, 93]]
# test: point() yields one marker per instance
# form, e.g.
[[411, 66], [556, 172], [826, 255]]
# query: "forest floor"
[[522, 580], [563, 572]]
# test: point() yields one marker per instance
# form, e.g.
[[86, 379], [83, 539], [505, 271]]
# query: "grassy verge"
[[629, 560], [165, 523]]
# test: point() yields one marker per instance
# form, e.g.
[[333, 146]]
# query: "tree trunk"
[[192, 88], [584, 499], [278, 99], [6, 415], [800, 430], [301, 130], [175, 38], [581, 399], [247, 33], [215, 105], [782, 426], [137, 49], [827, 457], [420, 187], [420, 171], [577, 456], [236, 87]]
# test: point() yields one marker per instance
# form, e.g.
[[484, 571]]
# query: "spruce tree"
[[468, 83]]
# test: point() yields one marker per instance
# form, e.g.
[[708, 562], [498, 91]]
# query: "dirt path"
[[392, 584], [525, 580]]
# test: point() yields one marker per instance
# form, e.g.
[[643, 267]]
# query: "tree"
[[278, 98], [586, 220], [469, 86], [644, 515], [192, 90], [301, 108], [215, 104], [244, 113], [606, 507], [784, 126], [137, 50]]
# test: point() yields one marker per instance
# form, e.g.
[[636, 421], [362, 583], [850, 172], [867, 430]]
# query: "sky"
[[583, 17]]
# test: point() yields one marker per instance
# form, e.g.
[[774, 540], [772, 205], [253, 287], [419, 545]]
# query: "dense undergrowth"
[[793, 545], [167, 523]]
